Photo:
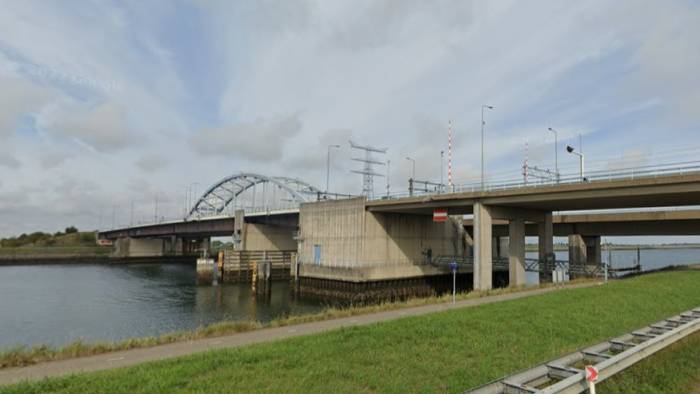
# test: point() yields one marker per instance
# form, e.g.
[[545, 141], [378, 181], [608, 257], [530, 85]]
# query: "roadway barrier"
[[567, 374]]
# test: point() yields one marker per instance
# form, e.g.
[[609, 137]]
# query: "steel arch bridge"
[[277, 193]]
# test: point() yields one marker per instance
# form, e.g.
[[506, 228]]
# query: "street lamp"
[[556, 153], [328, 165], [413, 174], [483, 123], [580, 157]]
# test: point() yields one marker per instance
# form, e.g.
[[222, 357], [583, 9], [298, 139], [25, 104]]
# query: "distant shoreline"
[[90, 259], [564, 247]]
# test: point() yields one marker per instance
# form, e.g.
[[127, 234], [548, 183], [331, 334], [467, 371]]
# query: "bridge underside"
[[358, 240]]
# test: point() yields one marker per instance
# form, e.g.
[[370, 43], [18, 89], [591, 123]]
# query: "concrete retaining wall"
[[343, 241], [269, 237]]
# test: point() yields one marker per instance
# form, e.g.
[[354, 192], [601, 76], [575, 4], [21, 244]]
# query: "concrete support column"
[[584, 254], [495, 247], [593, 250], [483, 263], [469, 240], [239, 230], [546, 247], [577, 252], [499, 247], [516, 252]]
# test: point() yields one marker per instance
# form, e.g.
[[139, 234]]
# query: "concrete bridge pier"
[[483, 258], [484, 250], [139, 247], [546, 247], [585, 254], [195, 245], [516, 252]]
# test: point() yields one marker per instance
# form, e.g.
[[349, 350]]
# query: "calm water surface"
[[57, 304]]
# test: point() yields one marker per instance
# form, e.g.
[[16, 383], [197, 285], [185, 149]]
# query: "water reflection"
[[61, 303]]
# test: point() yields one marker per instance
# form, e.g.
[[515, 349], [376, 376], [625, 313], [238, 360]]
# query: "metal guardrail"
[[631, 173], [566, 374]]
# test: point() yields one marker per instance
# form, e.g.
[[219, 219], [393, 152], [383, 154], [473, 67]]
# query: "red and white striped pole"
[[449, 156]]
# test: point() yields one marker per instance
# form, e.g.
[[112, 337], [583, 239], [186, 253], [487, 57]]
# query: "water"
[[651, 259], [57, 304]]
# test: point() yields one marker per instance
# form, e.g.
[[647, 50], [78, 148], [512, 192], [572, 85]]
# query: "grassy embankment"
[[42, 245], [675, 369], [448, 351]]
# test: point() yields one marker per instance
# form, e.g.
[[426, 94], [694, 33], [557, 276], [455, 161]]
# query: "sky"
[[105, 106]]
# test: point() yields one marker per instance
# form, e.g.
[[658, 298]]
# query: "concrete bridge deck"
[[662, 191]]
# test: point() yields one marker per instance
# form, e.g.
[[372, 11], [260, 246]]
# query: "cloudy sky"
[[108, 104]]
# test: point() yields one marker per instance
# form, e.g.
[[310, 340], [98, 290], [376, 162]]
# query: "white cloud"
[[103, 127], [151, 163], [262, 139], [18, 98], [9, 161], [212, 91]]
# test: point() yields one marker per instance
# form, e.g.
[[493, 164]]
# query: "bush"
[[71, 230], [87, 238]]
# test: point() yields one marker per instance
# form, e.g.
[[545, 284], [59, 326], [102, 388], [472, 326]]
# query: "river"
[[57, 304]]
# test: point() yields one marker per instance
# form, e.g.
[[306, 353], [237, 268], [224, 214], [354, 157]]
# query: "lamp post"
[[556, 153], [581, 160], [328, 166], [413, 173], [483, 123]]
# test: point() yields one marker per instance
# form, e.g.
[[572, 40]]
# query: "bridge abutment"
[[343, 242], [138, 247]]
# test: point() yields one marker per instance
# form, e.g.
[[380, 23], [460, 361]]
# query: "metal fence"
[[631, 173]]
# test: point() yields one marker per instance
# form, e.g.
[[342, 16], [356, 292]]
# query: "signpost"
[[591, 377], [453, 266], [440, 215]]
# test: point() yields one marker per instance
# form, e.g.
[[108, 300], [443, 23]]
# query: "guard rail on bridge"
[[631, 173]]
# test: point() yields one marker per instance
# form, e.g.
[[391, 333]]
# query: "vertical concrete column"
[[483, 263], [577, 249], [516, 252], [469, 240], [238, 230], [546, 247], [577, 254], [593, 250]]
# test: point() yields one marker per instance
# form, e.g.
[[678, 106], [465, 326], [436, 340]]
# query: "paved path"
[[136, 356]]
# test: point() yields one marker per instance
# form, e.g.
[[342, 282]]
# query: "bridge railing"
[[630, 173]]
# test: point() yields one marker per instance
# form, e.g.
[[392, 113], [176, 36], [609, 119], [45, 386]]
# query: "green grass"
[[442, 352], [49, 251], [675, 369]]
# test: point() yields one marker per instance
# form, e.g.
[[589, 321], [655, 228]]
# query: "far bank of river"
[[605, 247], [77, 255]]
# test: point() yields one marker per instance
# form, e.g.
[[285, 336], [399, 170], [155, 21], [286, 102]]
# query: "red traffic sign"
[[591, 373], [440, 215]]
